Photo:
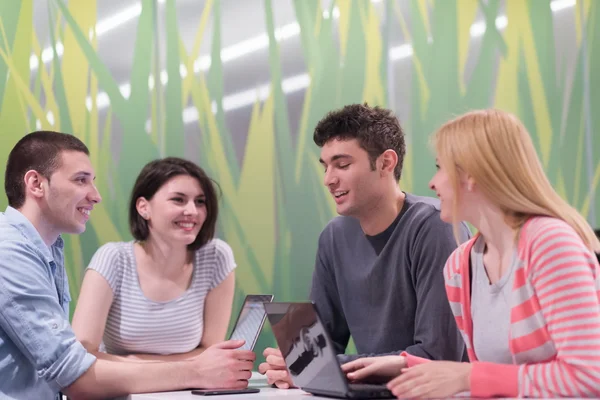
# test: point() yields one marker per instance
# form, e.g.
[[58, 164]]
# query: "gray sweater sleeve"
[[324, 294], [436, 336]]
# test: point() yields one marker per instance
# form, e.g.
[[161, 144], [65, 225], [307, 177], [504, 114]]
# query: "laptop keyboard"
[[370, 390], [367, 387]]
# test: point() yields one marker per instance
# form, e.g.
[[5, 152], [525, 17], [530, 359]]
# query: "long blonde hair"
[[495, 148]]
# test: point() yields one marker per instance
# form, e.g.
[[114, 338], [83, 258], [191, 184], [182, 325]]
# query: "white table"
[[257, 380], [265, 393]]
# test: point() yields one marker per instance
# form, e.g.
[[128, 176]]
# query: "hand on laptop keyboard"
[[374, 369]]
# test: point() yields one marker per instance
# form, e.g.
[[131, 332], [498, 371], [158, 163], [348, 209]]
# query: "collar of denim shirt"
[[20, 222]]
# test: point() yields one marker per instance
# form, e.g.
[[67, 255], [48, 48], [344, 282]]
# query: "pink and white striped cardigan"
[[555, 316]]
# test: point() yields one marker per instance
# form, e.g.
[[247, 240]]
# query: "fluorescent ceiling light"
[[400, 52], [250, 97], [478, 28], [248, 46], [335, 12], [119, 18], [47, 56], [245, 47], [50, 117], [558, 5], [246, 98], [102, 99], [299, 82], [102, 27]]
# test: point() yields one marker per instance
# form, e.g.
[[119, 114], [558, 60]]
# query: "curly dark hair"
[[376, 129]]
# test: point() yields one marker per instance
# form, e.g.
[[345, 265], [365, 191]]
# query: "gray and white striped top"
[[136, 324]]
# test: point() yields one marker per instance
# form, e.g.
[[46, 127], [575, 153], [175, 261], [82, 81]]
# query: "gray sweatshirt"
[[387, 291]]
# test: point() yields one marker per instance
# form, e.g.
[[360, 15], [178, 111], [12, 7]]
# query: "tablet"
[[250, 320]]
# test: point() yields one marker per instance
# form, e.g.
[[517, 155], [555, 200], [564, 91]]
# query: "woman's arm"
[[91, 312], [565, 281], [217, 311]]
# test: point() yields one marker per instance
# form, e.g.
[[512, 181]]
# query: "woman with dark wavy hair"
[[168, 293]]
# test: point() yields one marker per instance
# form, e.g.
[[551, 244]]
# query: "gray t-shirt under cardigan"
[[490, 309]]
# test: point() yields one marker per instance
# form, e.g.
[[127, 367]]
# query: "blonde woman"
[[525, 291]]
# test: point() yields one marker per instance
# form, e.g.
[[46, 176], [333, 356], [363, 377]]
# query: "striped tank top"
[[136, 324]]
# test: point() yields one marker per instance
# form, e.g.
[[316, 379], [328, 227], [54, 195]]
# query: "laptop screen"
[[305, 346], [250, 320]]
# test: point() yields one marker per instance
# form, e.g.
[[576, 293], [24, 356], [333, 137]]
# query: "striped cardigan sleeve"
[[566, 292], [564, 275]]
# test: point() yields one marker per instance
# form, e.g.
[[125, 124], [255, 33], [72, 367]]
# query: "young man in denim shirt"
[[50, 188]]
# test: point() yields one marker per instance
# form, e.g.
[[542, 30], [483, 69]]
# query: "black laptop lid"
[[306, 347]]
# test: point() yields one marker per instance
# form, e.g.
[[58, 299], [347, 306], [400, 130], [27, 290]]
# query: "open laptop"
[[309, 354], [250, 320]]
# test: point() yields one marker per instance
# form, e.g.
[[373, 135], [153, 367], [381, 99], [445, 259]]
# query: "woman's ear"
[[466, 181], [471, 185], [143, 207]]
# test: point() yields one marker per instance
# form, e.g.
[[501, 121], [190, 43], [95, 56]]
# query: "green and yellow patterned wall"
[[427, 59]]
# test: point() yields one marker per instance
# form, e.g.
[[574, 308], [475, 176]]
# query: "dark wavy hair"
[[153, 176]]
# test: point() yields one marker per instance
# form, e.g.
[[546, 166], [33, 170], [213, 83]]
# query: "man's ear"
[[389, 160], [35, 183]]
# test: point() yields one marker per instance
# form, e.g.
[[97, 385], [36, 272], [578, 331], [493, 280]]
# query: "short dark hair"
[[39, 151], [153, 176], [376, 129], [597, 232]]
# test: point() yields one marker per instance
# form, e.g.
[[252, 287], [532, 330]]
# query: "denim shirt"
[[39, 354]]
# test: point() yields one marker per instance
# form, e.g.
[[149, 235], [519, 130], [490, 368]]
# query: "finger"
[[245, 366], [407, 375], [229, 344], [412, 387], [276, 375], [415, 390], [269, 351], [264, 367], [240, 384], [243, 374], [245, 355], [231, 383], [282, 385], [353, 365], [365, 372], [399, 380], [276, 361]]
